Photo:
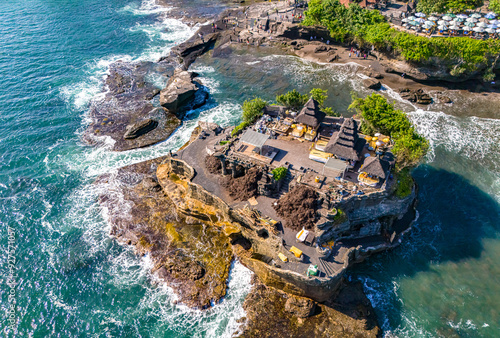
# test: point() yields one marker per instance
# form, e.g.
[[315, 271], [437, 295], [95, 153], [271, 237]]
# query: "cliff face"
[[367, 215]]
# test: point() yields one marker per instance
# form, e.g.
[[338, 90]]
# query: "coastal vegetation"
[[369, 28], [252, 109], [378, 115], [444, 6], [495, 6], [295, 100]]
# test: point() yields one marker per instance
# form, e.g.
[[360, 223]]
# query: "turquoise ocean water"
[[73, 280]]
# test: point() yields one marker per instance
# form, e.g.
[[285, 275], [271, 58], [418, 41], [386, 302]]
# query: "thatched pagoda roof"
[[376, 167], [310, 115]]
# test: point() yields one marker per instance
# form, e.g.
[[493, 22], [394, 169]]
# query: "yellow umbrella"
[[386, 140], [374, 138]]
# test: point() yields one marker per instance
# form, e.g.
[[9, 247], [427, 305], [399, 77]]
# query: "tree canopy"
[[378, 115], [369, 28], [295, 100]]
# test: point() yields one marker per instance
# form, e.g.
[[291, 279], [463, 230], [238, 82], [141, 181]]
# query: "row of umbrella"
[[450, 16], [455, 21]]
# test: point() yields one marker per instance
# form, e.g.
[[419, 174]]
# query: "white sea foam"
[[218, 321], [147, 7]]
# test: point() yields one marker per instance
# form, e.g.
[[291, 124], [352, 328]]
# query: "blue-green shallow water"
[[75, 281]]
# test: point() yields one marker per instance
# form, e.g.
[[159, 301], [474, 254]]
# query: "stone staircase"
[[285, 185]]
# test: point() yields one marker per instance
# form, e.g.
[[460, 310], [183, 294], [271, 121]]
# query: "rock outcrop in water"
[[127, 114], [182, 90], [271, 313], [190, 254]]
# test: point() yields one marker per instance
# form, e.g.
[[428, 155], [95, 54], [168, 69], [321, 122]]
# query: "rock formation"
[[181, 90], [190, 254], [271, 313]]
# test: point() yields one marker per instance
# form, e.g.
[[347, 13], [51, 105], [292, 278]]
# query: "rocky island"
[[296, 192]]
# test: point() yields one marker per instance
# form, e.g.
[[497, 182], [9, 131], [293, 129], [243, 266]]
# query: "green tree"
[[378, 115], [252, 109], [319, 95], [293, 99], [457, 6], [495, 6], [279, 173], [431, 6]]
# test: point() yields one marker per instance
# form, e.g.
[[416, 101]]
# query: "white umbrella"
[[475, 15], [469, 24], [489, 16], [433, 18], [442, 27], [420, 20], [498, 30], [462, 16], [492, 13], [429, 23], [493, 26], [478, 29], [490, 30], [426, 26], [447, 18], [495, 22], [411, 18], [405, 20], [457, 19], [454, 27], [442, 22], [471, 20], [420, 15], [482, 24]]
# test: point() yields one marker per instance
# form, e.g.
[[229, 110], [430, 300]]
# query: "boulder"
[[300, 306], [320, 49], [372, 84], [333, 58], [179, 91], [417, 96], [140, 128], [444, 99]]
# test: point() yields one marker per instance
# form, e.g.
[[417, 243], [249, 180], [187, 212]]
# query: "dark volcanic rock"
[[188, 51], [333, 58], [372, 84], [417, 96], [180, 91], [127, 103], [140, 128]]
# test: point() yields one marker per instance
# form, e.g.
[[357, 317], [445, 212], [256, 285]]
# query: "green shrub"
[[340, 217], [279, 173], [252, 109], [223, 142], [239, 128], [330, 112]]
